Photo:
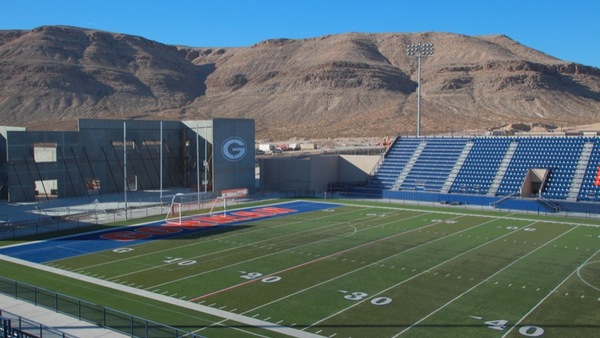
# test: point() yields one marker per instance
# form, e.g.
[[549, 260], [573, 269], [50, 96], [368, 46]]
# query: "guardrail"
[[16, 326], [89, 312]]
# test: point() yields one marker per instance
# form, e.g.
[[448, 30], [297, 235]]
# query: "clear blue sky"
[[569, 29]]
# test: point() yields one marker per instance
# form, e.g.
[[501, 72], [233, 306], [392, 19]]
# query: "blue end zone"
[[66, 247]]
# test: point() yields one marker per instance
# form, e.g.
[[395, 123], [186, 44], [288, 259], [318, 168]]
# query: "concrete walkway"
[[67, 324]]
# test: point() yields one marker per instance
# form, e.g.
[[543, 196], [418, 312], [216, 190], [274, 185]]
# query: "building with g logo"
[[234, 149]]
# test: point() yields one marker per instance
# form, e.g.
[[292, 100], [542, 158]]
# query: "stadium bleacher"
[[493, 166]]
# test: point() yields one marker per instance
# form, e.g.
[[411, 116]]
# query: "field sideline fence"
[[89, 312], [17, 326], [143, 208]]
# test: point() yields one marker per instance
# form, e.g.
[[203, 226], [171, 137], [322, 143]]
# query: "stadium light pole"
[[419, 50], [205, 181], [125, 165], [198, 165]]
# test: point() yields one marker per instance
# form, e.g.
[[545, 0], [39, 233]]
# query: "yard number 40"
[[528, 331]]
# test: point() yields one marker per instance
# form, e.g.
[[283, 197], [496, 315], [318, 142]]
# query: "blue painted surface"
[[66, 247]]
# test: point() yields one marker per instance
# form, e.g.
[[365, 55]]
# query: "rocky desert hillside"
[[349, 85]]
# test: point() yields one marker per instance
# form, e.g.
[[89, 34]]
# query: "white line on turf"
[[419, 274], [480, 283], [169, 300], [547, 295], [370, 265]]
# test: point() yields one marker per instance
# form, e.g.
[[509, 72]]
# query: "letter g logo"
[[234, 149]]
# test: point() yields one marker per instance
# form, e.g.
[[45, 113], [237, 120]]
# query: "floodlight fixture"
[[419, 50]]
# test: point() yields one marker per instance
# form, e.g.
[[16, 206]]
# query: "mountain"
[[344, 85]]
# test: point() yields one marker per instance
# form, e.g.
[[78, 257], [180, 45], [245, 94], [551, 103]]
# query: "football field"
[[306, 268]]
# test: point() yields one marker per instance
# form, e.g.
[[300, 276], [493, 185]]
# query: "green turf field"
[[372, 271]]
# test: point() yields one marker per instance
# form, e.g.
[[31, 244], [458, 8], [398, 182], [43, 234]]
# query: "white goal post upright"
[[224, 199], [174, 208], [180, 200], [229, 194]]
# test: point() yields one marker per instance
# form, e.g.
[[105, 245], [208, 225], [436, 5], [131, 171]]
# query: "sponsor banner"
[[234, 193]]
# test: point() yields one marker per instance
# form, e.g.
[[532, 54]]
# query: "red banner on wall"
[[234, 193]]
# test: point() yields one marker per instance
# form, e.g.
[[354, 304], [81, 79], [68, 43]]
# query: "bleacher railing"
[[89, 312], [17, 326]]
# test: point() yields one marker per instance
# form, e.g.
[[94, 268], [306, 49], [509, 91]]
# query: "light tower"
[[419, 50]]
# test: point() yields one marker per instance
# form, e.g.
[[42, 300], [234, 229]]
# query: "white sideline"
[[170, 300], [483, 282]]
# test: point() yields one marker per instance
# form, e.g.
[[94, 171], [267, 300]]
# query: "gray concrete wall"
[[314, 173], [324, 170], [3, 170], [233, 154], [101, 153], [200, 136], [24, 171], [68, 162], [285, 174], [356, 168]]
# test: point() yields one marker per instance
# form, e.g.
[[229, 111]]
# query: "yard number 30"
[[374, 301]]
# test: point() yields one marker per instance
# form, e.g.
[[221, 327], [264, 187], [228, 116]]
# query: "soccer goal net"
[[182, 202]]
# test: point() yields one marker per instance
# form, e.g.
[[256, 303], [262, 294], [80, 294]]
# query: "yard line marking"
[[233, 235], [334, 255], [373, 264], [417, 275], [509, 216], [296, 266], [310, 231], [480, 283], [547, 295], [284, 330], [229, 249]]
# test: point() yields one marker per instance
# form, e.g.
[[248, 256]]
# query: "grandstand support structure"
[[541, 172], [584, 159], [411, 162], [383, 156], [502, 170], [457, 166]]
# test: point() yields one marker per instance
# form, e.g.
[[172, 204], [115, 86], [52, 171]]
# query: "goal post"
[[181, 202], [231, 194]]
